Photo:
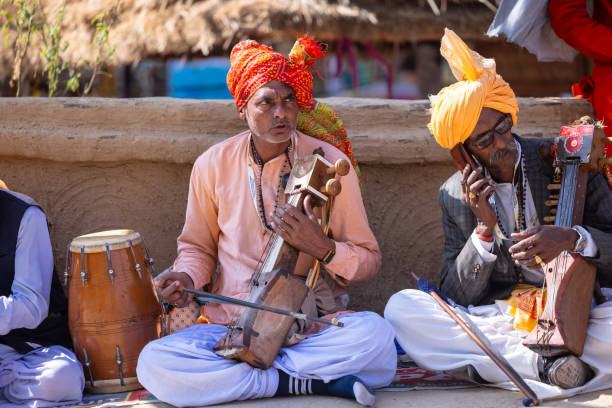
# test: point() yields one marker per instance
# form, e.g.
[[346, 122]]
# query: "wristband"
[[330, 254]]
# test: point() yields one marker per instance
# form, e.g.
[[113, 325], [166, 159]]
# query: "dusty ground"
[[472, 398]]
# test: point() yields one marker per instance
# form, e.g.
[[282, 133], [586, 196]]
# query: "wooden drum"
[[113, 309]]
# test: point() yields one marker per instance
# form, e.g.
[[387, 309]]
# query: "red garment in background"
[[593, 38]]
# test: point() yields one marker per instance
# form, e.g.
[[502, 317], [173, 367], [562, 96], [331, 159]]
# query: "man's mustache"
[[500, 154], [279, 122]]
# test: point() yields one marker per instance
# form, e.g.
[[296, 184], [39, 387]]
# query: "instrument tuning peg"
[[554, 196], [551, 203], [332, 187], [553, 211], [341, 168], [549, 218], [554, 186]]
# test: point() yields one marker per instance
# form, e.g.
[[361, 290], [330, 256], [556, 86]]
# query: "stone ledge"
[[178, 130]]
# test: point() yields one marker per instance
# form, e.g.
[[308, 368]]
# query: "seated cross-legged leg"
[[47, 375], [345, 362], [183, 369]]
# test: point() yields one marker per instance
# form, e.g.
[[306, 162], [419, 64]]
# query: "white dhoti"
[[44, 377], [183, 370], [434, 341]]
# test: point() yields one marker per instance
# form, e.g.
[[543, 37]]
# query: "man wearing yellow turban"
[[236, 204], [495, 239]]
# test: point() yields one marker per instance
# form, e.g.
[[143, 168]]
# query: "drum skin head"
[[96, 242]]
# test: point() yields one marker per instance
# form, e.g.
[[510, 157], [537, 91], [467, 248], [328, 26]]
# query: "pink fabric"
[[222, 223]]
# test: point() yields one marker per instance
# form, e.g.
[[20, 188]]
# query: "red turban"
[[254, 65]]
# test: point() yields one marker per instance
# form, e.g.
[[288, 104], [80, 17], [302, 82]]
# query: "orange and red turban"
[[456, 108], [253, 65]]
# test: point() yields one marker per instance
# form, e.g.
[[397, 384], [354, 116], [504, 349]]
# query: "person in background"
[[592, 36]]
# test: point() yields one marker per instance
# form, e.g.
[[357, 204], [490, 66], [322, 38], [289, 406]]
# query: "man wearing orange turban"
[[236, 203], [496, 242]]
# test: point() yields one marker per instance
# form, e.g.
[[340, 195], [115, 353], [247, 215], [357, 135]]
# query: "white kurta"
[[47, 375], [183, 370], [434, 341]]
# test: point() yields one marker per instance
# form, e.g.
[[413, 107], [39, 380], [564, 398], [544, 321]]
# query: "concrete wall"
[[97, 164]]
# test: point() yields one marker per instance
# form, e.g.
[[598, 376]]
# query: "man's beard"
[[511, 148]]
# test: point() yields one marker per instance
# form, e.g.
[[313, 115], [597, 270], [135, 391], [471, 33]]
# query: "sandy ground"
[[472, 397]]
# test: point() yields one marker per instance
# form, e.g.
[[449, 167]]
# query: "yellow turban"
[[456, 109]]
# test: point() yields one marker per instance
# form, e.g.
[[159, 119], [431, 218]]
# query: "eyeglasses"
[[485, 139]]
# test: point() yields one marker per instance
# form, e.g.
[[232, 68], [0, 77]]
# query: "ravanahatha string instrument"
[[569, 278], [283, 275]]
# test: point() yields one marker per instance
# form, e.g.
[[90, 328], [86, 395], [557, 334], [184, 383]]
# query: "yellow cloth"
[[456, 109], [526, 303], [2, 185]]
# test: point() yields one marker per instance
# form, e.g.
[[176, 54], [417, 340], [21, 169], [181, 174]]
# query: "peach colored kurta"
[[222, 222]]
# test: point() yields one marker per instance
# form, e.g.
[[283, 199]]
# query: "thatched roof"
[[162, 28]]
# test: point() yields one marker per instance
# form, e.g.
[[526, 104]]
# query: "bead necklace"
[[519, 205], [281, 181], [519, 202]]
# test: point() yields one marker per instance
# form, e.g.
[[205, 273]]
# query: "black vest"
[[54, 329]]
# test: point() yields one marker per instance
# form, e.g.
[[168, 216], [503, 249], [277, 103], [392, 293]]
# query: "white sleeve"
[[590, 250], [484, 249], [28, 304]]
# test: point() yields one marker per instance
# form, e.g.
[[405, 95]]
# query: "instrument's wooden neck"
[[571, 197], [280, 254]]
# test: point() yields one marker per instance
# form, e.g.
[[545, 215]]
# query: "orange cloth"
[[456, 108], [2, 185], [526, 303], [254, 65], [222, 223]]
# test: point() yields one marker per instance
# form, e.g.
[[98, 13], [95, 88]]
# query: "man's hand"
[[301, 231], [170, 288], [476, 193], [545, 241]]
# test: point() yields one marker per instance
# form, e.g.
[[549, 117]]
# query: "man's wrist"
[[329, 255], [484, 231], [577, 242]]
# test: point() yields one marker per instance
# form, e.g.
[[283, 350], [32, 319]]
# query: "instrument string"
[[274, 241], [273, 238], [557, 267]]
